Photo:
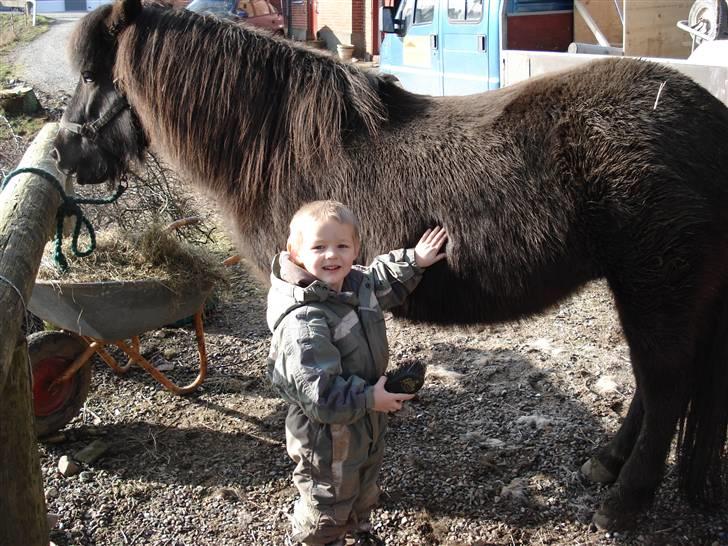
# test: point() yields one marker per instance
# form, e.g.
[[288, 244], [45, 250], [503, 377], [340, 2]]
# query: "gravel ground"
[[488, 453]]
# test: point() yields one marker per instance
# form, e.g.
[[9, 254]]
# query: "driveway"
[[43, 62]]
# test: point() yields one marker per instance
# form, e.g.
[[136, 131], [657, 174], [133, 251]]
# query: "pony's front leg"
[[662, 389], [604, 466]]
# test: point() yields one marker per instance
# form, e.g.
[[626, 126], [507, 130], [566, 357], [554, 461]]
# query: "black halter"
[[91, 130]]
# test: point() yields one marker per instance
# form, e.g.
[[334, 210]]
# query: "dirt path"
[[43, 62]]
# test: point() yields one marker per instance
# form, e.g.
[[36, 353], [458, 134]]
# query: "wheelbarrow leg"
[[134, 354], [76, 364], [136, 346], [113, 363]]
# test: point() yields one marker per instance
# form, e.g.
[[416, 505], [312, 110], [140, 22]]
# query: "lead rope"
[[68, 207]]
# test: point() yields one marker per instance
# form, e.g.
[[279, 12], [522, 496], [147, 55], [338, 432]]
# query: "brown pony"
[[617, 170]]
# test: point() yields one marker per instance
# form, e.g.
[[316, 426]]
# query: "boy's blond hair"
[[321, 211]]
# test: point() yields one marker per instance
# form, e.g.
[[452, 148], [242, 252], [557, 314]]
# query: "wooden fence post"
[[27, 217], [22, 502]]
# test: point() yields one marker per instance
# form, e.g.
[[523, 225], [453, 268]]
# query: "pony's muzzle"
[[56, 156]]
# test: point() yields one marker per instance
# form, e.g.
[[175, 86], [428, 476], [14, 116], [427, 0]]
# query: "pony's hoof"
[[606, 520], [596, 472]]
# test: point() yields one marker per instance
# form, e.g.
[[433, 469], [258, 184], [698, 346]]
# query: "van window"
[[475, 10], [405, 13], [464, 10], [424, 11]]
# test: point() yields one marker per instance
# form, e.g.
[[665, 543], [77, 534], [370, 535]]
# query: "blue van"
[[453, 47]]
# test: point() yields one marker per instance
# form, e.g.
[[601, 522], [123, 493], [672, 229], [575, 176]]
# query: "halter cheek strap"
[[91, 130]]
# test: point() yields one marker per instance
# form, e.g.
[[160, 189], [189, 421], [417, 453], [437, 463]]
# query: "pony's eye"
[[88, 77]]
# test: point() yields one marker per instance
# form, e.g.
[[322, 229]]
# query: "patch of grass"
[[17, 28], [6, 71], [21, 125]]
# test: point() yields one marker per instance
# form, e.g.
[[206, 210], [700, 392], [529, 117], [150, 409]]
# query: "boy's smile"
[[326, 249]]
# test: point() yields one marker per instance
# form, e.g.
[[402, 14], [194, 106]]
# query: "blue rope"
[[69, 207]]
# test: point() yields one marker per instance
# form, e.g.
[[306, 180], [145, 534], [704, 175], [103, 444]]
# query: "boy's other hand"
[[385, 401], [427, 251]]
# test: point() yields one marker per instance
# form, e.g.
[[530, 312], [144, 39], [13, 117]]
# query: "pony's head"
[[99, 135]]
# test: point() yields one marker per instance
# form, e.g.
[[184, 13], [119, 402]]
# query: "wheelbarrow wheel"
[[51, 353]]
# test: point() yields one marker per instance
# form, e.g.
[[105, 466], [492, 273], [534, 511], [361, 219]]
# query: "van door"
[[464, 47], [413, 54]]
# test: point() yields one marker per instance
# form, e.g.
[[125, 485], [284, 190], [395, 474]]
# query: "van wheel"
[[51, 353]]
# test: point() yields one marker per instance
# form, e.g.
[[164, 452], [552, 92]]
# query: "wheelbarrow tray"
[[113, 310]]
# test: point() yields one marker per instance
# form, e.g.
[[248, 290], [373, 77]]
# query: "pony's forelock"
[[90, 43]]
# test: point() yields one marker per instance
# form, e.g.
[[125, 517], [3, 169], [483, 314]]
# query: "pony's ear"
[[123, 14]]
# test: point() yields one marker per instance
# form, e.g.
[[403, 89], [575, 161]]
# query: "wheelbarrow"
[[95, 315]]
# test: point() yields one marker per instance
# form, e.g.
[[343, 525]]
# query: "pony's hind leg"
[[605, 464], [662, 346]]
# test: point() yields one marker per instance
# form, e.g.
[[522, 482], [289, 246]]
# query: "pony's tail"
[[702, 449]]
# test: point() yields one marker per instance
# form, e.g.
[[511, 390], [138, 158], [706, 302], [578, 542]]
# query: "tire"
[[710, 17], [50, 354]]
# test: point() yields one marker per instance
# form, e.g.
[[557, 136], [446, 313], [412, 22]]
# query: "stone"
[[539, 422], [52, 520], [516, 490], [68, 467], [606, 384], [91, 452]]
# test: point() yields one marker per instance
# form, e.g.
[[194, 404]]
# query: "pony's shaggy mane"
[[299, 113]]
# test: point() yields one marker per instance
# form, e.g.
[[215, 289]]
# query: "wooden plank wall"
[[605, 15], [649, 26]]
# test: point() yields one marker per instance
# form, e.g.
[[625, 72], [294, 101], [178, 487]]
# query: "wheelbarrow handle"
[[189, 221], [231, 260]]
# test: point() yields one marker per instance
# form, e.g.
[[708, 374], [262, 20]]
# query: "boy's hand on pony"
[[427, 251], [385, 401]]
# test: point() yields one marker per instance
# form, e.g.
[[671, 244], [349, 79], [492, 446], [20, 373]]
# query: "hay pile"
[[123, 256]]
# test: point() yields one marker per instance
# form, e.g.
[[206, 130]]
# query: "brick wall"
[[337, 22], [346, 22]]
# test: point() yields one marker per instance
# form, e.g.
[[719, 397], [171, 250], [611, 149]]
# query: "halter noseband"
[[91, 130]]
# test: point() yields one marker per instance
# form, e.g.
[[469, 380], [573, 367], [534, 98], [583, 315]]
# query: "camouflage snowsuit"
[[328, 350]]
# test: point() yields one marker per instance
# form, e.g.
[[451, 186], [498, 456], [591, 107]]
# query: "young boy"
[[328, 356]]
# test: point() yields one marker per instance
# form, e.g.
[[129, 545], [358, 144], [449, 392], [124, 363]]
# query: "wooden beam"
[[23, 517], [584, 12], [607, 17], [27, 219]]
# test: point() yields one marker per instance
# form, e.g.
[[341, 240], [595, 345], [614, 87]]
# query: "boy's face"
[[326, 249]]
